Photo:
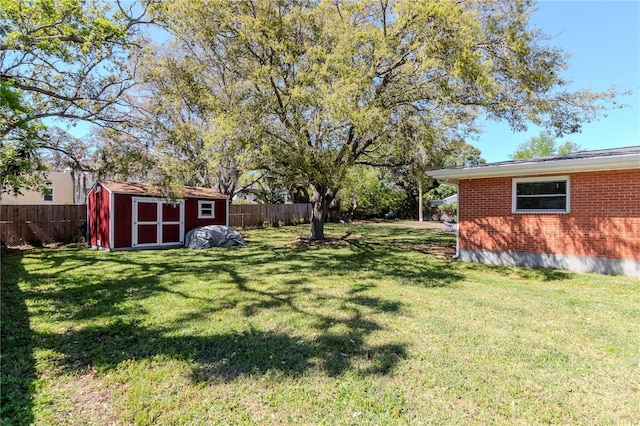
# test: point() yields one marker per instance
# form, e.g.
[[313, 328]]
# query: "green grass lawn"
[[378, 326]]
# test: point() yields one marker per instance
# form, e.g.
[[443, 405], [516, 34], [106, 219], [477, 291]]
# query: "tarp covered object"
[[213, 236]]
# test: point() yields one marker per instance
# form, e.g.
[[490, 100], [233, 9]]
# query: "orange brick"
[[604, 220]]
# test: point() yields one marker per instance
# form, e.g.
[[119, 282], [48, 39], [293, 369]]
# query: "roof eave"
[[163, 196], [207, 197], [631, 161], [148, 190]]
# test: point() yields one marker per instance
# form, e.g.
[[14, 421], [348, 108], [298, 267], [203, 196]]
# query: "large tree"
[[325, 85], [542, 146], [59, 59]]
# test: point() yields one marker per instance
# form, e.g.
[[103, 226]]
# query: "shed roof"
[[139, 188], [583, 161]]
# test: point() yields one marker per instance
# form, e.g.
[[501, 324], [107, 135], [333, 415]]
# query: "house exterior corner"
[[591, 225]]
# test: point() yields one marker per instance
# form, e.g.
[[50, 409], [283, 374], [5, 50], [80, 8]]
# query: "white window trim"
[[213, 209], [514, 186]]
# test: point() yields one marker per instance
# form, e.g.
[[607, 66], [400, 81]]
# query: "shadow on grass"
[[222, 357], [523, 272], [97, 293], [16, 342], [83, 289]]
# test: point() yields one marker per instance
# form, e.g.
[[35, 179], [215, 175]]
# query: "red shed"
[[125, 215]]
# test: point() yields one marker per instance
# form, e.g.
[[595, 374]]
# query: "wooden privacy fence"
[[21, 224], [252, 215]]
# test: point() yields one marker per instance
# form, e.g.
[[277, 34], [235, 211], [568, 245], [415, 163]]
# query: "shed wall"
[[191, 214], [123, 217], [604, 218], [98, 217]]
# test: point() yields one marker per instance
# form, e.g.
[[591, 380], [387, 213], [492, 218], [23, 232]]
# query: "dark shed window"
[[206, 210]]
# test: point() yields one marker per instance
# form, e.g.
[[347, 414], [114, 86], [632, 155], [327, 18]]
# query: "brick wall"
[[604, 218]]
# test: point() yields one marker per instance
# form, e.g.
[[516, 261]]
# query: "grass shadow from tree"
[[115, 333], [16, 342]]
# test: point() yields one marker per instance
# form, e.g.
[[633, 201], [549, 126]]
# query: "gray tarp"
[[213, 236]]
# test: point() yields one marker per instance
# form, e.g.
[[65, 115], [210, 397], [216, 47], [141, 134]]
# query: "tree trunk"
[[320, 201], [420, 207]]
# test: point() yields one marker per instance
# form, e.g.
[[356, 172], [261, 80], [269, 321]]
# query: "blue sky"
[[603, 38]]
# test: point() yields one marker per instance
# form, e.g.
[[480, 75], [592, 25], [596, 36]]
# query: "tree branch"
[[391, 165]]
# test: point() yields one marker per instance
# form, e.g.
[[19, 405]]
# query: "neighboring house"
[[60, 191], [579, 211], [449, 201], [125, 215], [66, 187]]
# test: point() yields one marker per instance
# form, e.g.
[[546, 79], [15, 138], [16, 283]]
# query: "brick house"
[[579, 211]]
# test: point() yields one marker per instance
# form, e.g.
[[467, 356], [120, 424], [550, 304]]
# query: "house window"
[[206, 210], [47, 194], [541, 195]]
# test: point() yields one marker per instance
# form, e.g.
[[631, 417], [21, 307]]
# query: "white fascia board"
[[622, 162], [94, 187], [104, 188]]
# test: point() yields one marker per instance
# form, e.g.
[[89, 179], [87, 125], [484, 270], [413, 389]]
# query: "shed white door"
[[157, 222]]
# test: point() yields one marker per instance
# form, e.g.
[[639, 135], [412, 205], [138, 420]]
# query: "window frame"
[[540, 179], [201, 203]]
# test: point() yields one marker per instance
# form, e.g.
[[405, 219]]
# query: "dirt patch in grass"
[[439, 251], [344, 241], [85, 399], [13, 250], [6, 250], [436, 249]]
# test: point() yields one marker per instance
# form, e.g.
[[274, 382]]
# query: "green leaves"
[[20, 167], [64, 59], [315, 87], [542, 146]]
